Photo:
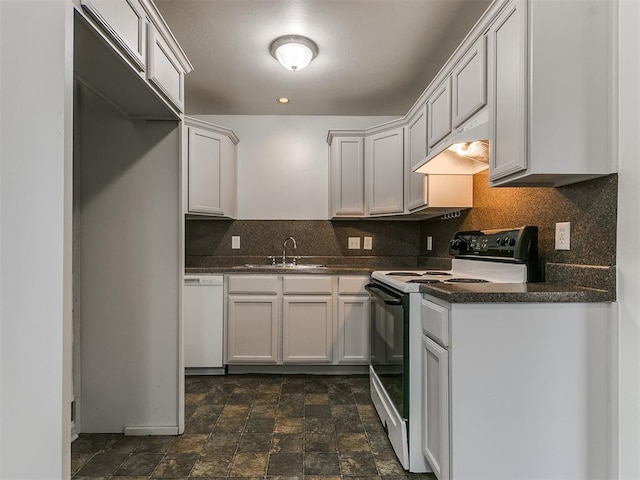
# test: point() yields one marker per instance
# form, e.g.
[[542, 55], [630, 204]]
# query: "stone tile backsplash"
[[590, 206], [208, 242]]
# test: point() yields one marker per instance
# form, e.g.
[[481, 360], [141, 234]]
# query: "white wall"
[[283, 163], [628, 255], [35, 238]]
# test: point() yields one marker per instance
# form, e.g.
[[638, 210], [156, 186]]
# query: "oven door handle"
[[387, 297]]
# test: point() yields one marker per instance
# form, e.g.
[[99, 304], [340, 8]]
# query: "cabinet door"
[[439, 111], [307, 329], [252, 329], [203, 325], [469, 78], [205, 157], [164, 70], [384, 154], [347, 177], [353, 329], [435, 407], [416, 150], [507, 40], [125, 22]]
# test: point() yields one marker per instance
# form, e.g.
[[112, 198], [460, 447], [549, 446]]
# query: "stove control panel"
[[515, 244]]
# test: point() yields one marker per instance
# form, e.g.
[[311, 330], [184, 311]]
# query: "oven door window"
[[387, 349]]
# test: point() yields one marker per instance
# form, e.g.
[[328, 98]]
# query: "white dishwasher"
[[203, 324]]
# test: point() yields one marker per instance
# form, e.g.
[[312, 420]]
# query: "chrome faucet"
[[284, 250]]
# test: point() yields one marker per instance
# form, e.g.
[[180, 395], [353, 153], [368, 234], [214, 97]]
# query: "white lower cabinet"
[[516, 390], [297, 320], [353, 320], [435, 401], [307, 329], [252, 329], [253, 319]]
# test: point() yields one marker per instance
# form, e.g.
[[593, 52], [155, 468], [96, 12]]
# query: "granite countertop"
[[299, 269], [452, 293], [516, 293]]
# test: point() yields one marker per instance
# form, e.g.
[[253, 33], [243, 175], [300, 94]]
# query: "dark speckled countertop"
[[458, 293], [516, 293], [300, 269]]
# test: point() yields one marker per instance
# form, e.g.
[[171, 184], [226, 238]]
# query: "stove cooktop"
[[463, 271]]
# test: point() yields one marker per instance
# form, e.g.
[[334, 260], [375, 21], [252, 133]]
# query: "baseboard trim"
[[301, 369], [141, 431]]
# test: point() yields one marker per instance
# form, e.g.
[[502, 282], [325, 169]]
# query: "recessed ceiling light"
[[282, 100], [294, 52]]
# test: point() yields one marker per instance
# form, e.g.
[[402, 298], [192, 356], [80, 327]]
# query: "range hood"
[[465, 152]]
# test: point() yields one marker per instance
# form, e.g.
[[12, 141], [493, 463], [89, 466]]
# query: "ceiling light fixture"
[[282, 100], [294, 52]]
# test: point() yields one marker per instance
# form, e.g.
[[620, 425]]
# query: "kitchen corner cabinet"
[[384, 172], [546, 127], [346, 173], [253, 319], [307, 319], [211, 162], [353, 320]]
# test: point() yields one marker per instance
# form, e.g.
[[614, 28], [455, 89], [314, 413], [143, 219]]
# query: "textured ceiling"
[[375, 56]]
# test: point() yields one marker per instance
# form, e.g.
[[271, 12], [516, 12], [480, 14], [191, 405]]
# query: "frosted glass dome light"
[[294, 52]]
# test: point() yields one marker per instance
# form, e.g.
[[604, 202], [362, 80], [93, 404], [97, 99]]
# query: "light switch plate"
[[354, 243], [563, 236], [367, 243], [235, 242]]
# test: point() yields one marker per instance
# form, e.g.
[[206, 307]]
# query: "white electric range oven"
[[489, 256]]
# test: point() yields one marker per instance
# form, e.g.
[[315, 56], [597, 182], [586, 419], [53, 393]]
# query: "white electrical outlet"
[[235, 242], [563, 236], [367, 243], [354, 243], [429, 243]]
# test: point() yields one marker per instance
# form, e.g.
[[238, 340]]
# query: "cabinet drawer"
[[435, 322], [164, 70], [352, 285], [125, 22], [312, 284], [253, 284]]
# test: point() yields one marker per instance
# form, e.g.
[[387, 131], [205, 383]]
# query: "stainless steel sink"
[[287, 266]]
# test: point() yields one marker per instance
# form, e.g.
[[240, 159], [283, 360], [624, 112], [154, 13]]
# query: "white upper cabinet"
[[165, 71], [346, 176], [469, 83], [439, 111], [125, 21], [384, 172], [134, 39], [415, 150], [211, 163], [550, 92]]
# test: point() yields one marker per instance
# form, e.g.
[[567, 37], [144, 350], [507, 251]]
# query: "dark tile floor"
[[274, 427]]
